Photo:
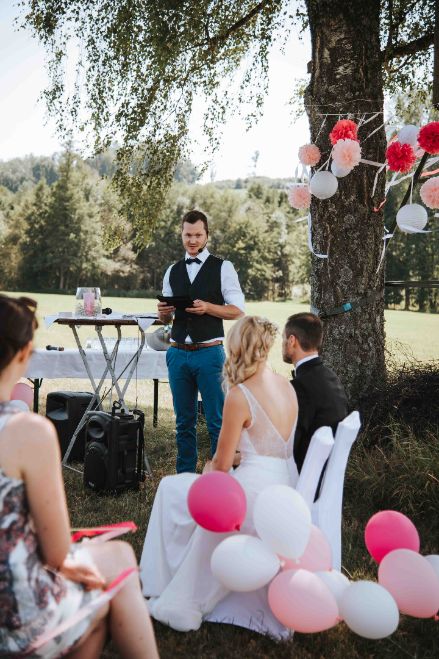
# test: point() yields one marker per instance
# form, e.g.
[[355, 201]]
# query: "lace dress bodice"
[[261, 437]]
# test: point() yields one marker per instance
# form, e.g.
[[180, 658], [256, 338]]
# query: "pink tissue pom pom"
[[430, 192], [309, 155], [346, 153], [299, 197]]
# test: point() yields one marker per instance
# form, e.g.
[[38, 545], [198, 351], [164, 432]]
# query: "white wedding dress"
[[175, 564]]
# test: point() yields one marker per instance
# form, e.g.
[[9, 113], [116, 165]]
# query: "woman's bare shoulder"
[[32, 428]]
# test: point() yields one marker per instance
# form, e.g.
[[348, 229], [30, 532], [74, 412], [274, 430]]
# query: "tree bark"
[[347, 77]]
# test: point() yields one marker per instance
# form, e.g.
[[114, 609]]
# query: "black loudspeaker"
[[65, 409], [114, 451]]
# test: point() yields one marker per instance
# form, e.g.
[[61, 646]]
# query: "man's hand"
[[87, 575], [165, 312], [199, 308]]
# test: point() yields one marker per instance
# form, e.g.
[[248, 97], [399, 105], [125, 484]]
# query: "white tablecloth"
[[53, 364]]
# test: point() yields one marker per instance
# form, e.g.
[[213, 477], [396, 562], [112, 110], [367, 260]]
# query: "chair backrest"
[[319, 448], [327, 510]]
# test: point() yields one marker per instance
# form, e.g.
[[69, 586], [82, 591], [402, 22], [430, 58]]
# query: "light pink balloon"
[[24, 392], [301, 601], [389, 530], [316, 557], [412, 582], [217, 502]]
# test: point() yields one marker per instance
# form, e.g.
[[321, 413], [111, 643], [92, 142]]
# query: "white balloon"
[[408, 135], [412, 218], [243, 563], [339, 172], [369, 610], [323, 185], [282, 520], [433, 559], [336, 582]]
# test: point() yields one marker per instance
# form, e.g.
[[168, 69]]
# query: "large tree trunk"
[[347, 77]]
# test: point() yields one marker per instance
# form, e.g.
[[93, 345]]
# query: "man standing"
[[196, 356], [320, 394]]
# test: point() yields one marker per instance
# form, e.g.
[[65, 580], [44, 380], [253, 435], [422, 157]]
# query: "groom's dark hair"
[[307, 328]]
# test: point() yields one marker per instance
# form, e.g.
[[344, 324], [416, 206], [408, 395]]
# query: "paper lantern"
[[369, 610], [323, 185], [243, 563], [408, 135], [411, 218], [338, 171]]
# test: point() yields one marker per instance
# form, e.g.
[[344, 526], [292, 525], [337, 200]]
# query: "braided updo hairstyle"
[[248, 344], [17, 326]]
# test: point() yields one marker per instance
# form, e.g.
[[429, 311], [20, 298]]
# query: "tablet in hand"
[[178, 301]]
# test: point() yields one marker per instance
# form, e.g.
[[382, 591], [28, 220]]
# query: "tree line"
[[61, 227]]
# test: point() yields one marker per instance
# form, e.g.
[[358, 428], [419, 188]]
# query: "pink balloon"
[[389, 530], [24, 392], [217, 502], [316, 557], [301, 601], [412, 582]]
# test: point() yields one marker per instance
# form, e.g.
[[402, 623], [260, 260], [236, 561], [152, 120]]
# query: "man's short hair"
[[307, 328], [194, 216]]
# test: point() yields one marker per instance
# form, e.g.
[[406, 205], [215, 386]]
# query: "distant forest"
[[60, 227]]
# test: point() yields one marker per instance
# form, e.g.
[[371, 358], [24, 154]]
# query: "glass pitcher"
[[88, 301]]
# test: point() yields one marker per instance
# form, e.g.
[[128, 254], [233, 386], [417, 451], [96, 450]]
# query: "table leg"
[[37, 382], [155, 408]]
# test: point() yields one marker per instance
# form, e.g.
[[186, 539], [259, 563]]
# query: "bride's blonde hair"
[[248, 343]]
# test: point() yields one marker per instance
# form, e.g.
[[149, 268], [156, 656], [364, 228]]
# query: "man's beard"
[[286, 357]]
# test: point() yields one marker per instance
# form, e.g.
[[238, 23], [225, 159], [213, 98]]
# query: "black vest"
[[207, 287]]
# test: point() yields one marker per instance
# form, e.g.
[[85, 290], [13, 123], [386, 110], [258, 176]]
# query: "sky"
[[25, 128]]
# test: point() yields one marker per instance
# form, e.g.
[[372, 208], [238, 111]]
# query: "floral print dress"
[[33, 598]]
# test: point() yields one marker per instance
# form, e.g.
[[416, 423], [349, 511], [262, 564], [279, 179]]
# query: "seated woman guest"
[[42, 584], [259, 419]]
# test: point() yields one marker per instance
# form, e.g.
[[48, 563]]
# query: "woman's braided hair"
[[248, 343]]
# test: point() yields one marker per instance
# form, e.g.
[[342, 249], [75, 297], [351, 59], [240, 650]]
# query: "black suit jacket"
[[322, 402]]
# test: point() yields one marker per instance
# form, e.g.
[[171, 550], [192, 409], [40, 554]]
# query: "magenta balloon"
[[301, 601], [217, 502], [389, 530], [316, 557], [412, 582], [24, 392]]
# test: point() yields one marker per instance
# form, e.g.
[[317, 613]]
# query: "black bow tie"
[[189, 261], [293, 375]]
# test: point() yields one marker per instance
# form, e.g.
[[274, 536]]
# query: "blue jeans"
[[191, 372]]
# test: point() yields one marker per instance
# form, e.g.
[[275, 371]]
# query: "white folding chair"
[[327, 510]]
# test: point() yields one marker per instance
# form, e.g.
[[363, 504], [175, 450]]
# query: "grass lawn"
[[404, 477]]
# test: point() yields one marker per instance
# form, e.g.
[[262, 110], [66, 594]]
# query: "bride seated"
[[259, 420]]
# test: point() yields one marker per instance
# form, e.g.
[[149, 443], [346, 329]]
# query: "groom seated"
[[320, 394]]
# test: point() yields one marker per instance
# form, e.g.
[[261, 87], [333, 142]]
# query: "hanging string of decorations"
[[411, 146]]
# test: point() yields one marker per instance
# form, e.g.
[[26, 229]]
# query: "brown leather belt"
[[195, 346]]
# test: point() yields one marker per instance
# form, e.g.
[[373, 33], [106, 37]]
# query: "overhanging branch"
[[409, 48], [215, 40]]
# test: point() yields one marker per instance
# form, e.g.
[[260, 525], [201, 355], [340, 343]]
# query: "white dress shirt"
[[230, 286]]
